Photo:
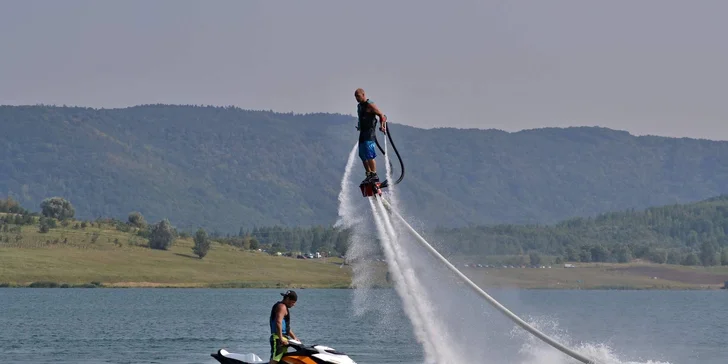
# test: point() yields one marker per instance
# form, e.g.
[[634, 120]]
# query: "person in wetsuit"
[[280, 326], [367, 112]]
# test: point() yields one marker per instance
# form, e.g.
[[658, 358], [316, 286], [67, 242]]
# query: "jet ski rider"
[[280, 326]]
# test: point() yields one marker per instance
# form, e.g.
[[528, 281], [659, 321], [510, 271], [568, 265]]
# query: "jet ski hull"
[[225, 357], [315, 354]]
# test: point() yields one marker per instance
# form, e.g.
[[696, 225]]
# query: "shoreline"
[[102, 263], [245, 285]]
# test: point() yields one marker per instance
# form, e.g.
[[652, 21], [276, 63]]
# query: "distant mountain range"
[[227, 168]]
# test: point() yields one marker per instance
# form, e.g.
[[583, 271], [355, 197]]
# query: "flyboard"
[[374, 190]]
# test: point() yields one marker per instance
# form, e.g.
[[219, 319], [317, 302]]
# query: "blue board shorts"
[[367, 150]]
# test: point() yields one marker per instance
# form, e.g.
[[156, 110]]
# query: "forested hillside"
[[227, 168], [687, 234]]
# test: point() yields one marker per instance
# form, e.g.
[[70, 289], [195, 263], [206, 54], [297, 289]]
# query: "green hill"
[[686, 234], [226, 168], [38, 251], [101, 253]]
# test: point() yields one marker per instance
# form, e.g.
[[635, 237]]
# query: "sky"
[[648, 66]]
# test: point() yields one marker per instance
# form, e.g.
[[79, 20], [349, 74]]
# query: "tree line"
[[688, 234], [57, 211]]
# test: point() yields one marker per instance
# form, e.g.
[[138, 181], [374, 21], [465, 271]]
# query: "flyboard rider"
[[367, 112]]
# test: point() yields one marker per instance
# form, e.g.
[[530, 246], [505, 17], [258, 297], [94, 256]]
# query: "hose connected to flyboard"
[[384, 154], [488, 298]]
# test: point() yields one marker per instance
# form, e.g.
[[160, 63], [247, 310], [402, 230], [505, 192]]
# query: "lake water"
[[186, 325]]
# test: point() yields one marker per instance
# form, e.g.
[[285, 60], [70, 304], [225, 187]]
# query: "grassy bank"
[[101, 256], [111, 258], [602, 276], [224, 266]]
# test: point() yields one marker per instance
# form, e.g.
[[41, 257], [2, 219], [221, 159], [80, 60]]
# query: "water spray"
[[485, 295]]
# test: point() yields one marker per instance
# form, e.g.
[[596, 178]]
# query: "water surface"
[[186, 325]]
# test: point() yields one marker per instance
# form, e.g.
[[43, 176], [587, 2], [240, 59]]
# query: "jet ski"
[[314, 354]]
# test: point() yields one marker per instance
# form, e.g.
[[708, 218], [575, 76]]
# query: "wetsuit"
[[367, 131], [277, 349]]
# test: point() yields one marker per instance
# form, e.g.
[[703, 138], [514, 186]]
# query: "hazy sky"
[[650, 67]]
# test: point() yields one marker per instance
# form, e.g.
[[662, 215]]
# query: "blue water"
[[186, 325]]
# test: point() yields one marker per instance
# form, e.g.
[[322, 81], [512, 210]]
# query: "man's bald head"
[[359, 95]]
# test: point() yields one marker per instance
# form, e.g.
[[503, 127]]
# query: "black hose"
[[401, 164]]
